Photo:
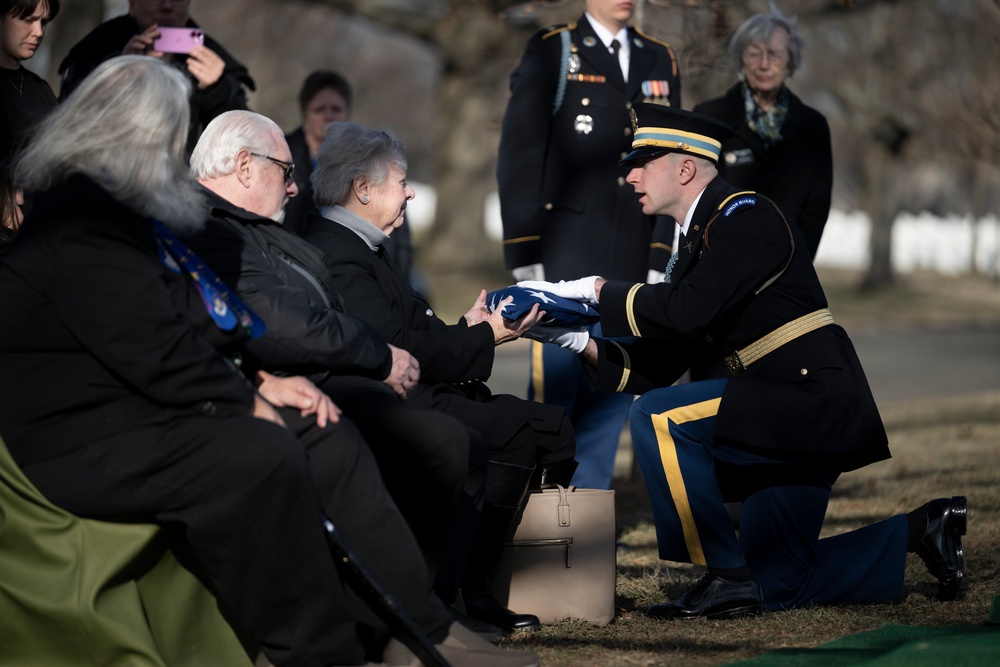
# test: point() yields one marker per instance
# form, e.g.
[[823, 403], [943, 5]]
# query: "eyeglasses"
[[755, 56], [289, 167]]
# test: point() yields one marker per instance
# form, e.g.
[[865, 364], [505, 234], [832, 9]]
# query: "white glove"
[[529, 272], [571, 339], [654, 277], [580, 290]]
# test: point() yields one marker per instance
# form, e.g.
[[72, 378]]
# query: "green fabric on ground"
[[82, 592], [895, 646]]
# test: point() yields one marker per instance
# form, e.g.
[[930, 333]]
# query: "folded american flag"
[[558, 310]]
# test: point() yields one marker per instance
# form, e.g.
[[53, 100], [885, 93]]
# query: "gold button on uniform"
[[621, 180], [628, 131], [548, 206], [585, 101], [803, 371]]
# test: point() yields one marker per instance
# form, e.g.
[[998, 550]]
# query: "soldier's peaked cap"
[[659, 129]]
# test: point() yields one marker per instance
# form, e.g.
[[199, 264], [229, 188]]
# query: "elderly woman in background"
[[781, 147], [26, 97], [126, 393], [360, 185]]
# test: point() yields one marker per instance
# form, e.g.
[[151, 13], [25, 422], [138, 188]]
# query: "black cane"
[[368, 586]]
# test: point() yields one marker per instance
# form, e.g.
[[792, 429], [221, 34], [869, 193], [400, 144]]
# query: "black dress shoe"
[[941, 546], [713, 597], [484, 607]]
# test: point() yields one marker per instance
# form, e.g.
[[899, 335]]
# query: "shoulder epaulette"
[[556, 29], [670, 50]]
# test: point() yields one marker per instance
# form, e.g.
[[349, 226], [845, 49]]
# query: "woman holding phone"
[[219, 80]]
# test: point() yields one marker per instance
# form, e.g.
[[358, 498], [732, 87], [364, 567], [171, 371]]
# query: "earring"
[[364, 200]]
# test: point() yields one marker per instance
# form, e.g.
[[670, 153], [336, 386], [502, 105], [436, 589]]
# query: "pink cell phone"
[[178, 40]]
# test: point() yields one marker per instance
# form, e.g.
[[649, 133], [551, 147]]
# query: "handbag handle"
[[562, 510]]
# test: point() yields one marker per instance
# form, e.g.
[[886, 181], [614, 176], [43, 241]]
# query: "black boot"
[[506, 488]]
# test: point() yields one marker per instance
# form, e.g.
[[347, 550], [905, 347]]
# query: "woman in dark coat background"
[[25, 98], [781, 147]]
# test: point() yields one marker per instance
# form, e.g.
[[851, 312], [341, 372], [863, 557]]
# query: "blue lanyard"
[[222, 304]]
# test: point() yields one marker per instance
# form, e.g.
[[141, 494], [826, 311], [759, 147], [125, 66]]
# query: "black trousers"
[[248, 495], [433, 467], [517, 432]]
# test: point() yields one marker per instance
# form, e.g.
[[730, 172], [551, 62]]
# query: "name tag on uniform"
[[738, 158]]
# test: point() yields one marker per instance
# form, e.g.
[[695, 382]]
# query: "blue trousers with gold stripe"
[[781, 515], [557, 378]]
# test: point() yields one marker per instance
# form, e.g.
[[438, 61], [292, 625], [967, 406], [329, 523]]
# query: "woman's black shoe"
[[484, 607]]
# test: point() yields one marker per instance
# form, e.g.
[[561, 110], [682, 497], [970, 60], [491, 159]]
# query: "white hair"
[[227, 135], [125, 127]]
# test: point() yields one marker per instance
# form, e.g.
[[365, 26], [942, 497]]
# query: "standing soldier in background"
[[566, 208]]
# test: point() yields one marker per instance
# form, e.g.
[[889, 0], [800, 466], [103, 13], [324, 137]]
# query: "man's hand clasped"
[[405, 372]]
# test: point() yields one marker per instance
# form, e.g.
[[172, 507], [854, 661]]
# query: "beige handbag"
[[561, 561]]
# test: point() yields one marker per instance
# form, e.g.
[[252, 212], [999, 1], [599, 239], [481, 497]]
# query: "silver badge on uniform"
[[583, 124], [573, 63]]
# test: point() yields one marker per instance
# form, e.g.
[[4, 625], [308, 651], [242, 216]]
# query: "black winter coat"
[[797, 172], [283, 279], [100, 336]]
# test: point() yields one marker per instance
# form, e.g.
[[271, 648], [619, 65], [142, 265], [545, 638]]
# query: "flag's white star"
[[543, 297]]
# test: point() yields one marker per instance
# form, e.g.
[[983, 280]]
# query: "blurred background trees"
[[907, 85]]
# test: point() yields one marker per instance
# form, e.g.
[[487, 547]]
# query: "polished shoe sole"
[[949, 589]]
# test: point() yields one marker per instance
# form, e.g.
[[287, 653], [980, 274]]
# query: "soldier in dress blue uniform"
[[566, 208], [794, 414]]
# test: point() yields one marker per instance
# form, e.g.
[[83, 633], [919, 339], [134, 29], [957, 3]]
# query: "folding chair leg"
[[367, 585]]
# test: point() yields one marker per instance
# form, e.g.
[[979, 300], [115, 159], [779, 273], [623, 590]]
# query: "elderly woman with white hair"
[[781, 147], [126, 394]]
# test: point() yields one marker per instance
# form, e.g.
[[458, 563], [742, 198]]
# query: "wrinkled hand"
[[264, 410], [478, 313], [142, 44], [571, 339], [205, 65], [580, 290], [298, 392], [405, 372], [505, 330]]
